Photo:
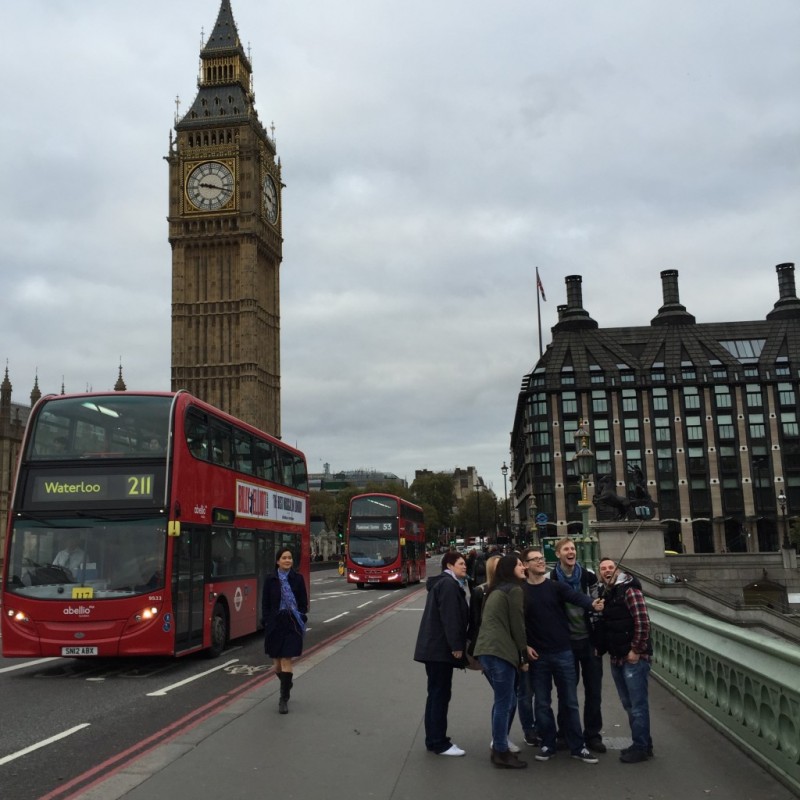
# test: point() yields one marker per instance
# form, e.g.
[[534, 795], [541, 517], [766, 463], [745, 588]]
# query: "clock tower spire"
[[226, 236]]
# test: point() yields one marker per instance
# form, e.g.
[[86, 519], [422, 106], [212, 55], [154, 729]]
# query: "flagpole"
[[539, 311]]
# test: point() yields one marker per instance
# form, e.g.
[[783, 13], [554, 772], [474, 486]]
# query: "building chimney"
[[672, 312], [574, 316], [788, 306]]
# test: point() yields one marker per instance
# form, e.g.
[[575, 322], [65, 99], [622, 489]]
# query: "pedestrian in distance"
[[626, 639], [547, 631], [442, 645], [502, 650], [284, 609], [588, 665]]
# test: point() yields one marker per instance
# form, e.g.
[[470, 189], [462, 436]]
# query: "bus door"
[[188, 587]]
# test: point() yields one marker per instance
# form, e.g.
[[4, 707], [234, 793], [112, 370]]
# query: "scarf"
[[288, 600], [462, 582], [573, 580]]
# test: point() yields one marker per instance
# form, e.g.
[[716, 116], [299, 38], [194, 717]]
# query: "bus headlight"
[[145, 614], [18, 616]]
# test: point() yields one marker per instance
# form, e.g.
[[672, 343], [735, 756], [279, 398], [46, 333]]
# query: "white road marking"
[[43, 743], [364, 604], [162, 692], [343, 614], [28, 664]]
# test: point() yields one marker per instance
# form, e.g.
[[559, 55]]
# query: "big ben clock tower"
[[225, 232]]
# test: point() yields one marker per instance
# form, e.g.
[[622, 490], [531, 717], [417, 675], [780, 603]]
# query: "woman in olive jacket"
[[502, 650]]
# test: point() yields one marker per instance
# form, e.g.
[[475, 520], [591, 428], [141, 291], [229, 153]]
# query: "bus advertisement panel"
[[144, 524], [385, 541]]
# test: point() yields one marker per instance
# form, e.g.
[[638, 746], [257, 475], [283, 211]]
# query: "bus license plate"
[[372, 580], [78, 651]]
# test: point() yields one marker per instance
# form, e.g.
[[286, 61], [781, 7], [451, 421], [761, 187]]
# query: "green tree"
[[323, 504], [478, 513], [435, 489]]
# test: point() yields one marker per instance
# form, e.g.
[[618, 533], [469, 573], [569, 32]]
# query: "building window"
[[754, 398], [691, 399], [599, 402], [723, 396], [688, 372], [570, 426], [786, 394], [629, 400], [658, 376], [782, 368], [632, 434], [697, 459], [789, 423], [597, 375], [757, 429], [542, 465], [602, 462], [725, 429], [751, 372], [627, 377], [538, 406], [663, 430], [727, 459], [665, 461], [660, 400], [569, 403], [600, 432], [744, 348], [694, 430]]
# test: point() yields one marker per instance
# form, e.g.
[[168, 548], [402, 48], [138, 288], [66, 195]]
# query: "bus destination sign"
[[82, 488]]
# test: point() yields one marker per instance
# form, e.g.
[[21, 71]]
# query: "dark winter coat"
[[443, 628], [282, 635]]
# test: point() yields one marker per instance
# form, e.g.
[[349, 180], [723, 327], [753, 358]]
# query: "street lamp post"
[[782, 502], [504, 470], [584, 464], [480, 529]]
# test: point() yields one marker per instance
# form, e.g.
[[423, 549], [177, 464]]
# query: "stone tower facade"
[[225, 231]]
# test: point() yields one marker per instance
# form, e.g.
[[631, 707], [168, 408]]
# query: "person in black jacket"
[[284, 609], [441, 646]]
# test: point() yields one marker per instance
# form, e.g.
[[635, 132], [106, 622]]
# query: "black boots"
[[507, 760], [286, 690]]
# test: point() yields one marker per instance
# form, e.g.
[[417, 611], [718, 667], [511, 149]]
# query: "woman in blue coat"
[[284, 606]]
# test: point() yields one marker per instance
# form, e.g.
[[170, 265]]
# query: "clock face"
[[270, 199], [209, 186]]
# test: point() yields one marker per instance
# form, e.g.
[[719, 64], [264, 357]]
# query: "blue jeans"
[[440, 682], [588, 667], [558, 669], [631, 682], [525, 701], [502, 676]]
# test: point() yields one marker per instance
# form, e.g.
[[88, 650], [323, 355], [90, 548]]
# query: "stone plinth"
[[630, 540]]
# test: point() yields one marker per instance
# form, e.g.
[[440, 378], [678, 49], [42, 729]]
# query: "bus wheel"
[[359, 586], [219, 631]]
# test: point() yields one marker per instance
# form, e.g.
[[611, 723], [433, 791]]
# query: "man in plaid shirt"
[[626, 638]]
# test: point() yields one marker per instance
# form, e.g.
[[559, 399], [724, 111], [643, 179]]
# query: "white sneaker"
[[453, 750], [512, 748]]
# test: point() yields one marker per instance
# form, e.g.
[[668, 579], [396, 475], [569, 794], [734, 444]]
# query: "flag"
[[539, 285]]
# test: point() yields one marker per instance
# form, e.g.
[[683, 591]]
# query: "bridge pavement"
[[355, 731]]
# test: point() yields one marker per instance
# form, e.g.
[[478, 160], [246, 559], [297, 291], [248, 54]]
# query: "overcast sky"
[[434, 154]]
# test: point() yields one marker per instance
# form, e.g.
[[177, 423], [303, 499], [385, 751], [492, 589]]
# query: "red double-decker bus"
[[144, 524], [385, 541]]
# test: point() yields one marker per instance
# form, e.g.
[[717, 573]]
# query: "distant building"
[[707, 411], [333, 482]]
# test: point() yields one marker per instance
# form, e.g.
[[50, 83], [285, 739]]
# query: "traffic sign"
[[541, 518]]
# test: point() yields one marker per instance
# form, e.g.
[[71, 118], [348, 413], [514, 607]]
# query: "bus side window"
[[243, 446], [299, 474], [197, 436], [265, 460]]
